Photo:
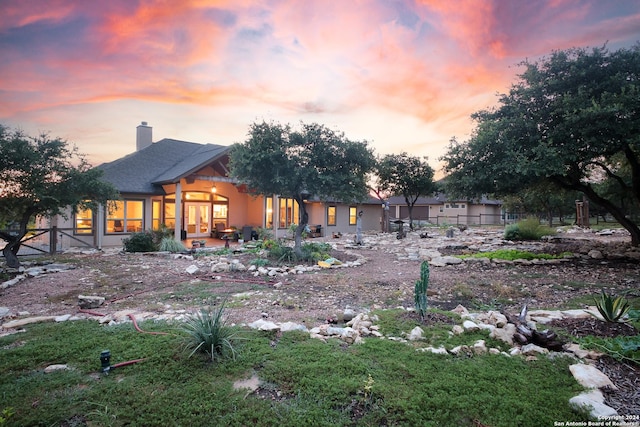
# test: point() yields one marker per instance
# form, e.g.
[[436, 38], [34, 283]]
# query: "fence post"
[[53, 240]]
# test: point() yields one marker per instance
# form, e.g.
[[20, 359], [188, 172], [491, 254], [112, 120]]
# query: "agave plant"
[[207, 332], [612, 309]]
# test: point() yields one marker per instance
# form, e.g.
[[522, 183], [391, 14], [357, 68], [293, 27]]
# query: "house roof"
[[439, 199], [162, 162]]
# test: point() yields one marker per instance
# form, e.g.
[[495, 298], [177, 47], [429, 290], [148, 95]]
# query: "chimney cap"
[[143, 123]]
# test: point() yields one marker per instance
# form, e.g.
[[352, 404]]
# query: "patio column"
[[99, 226], [177, 232]]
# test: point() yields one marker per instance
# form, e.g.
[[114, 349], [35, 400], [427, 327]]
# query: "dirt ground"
[[160, 284]]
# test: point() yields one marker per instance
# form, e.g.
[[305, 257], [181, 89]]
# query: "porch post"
[[177, 232], [276, 215], [99, 227]]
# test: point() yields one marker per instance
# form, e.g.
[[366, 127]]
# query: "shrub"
[[528, 229], [512, 232], [140, 242], [208, 333], [612, 309], [313, 251], [420, 290], [168, 244]]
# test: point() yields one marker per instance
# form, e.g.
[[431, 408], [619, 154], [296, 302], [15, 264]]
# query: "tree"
[[572, 120], [297, 164], [407, 176], [544, 200], [40, 176]]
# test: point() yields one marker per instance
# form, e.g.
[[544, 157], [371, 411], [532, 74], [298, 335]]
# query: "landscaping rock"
[[90, 301], [590, 377], [593, 403]]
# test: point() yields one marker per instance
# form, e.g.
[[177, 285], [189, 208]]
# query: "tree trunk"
[[607, 205], [10, 252], [617, 213], [304, 220]]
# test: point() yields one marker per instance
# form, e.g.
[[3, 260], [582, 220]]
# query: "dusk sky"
[[403, 75]]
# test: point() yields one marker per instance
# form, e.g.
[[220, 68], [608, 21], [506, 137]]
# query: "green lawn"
[[305, 381]]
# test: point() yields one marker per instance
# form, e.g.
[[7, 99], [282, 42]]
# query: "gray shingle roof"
[[162, 162]]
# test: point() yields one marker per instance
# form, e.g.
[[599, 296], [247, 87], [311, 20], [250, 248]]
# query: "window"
[[289, 213], [170, 215], [268, 220], [84, 222], [156, 214], [331, 215], [126, 217], [353, 215]]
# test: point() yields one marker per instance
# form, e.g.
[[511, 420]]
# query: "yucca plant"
[[207, 332], [612, 309], [420, 290]]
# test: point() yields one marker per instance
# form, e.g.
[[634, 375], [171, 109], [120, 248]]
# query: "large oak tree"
[[299, 163], [571, 119], [408, 176], [41, 176]]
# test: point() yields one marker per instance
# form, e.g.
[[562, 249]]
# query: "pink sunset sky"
[[403, 75]]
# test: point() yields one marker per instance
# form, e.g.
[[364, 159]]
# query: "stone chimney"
[[143, 136]]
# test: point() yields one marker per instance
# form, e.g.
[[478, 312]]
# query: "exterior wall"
[[420, 212]]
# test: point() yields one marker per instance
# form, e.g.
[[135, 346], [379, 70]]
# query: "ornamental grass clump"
[[527, 229], [207, 332], [169, 244], [612, 309], [420, 290]]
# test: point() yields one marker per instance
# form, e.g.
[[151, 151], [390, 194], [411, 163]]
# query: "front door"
[[197, 220]]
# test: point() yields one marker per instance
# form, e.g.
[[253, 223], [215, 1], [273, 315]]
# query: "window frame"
[[353, 215], [332, 216], [91, 220], [125, 220]]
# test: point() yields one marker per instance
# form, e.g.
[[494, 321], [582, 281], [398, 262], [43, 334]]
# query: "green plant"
[[169, 244], [612, 309], [620, 348], [527, 229], [259, 262], [208, 333], [312, 251], [7, 413], [139, 242], [420, 290]]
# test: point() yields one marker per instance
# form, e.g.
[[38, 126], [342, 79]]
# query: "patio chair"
[[219, 231]]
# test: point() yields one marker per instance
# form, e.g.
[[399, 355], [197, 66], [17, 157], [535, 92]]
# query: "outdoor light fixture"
[[214, 189], [105, 361]]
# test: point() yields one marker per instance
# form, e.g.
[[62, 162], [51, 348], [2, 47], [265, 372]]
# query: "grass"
[[379, 382], [512, 254]]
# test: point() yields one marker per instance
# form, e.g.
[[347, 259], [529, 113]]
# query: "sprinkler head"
[[105, 361]]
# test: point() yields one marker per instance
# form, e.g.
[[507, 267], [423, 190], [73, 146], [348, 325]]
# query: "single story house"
[[186, 187], [441, 210]]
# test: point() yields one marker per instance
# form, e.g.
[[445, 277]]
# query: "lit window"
[[170, 215], [269, 213], [289, 213], [126, 217], [353, 215], [84, 222], [156, 212], [331, 215]]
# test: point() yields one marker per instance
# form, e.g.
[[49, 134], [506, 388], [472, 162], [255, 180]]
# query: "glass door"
[[197, 219]]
